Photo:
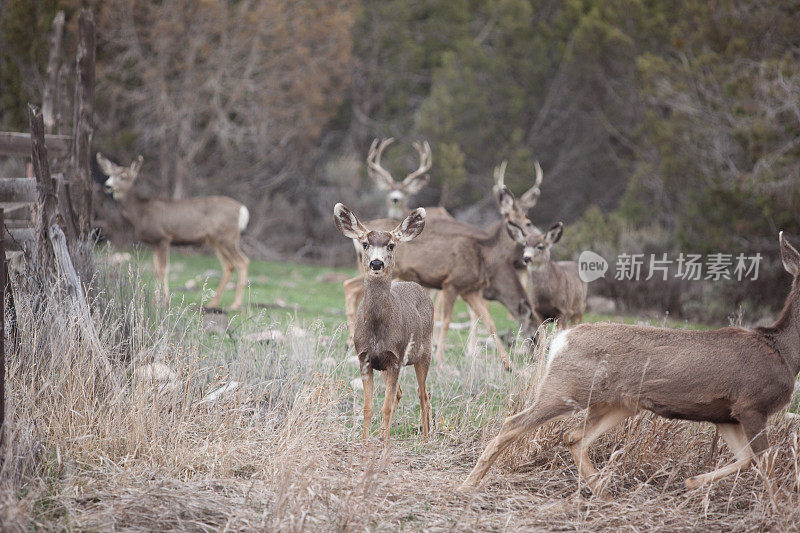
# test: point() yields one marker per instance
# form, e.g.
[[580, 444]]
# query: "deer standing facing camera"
[[394, 323]]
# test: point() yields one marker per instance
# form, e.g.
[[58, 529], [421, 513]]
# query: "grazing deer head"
[[394, 323], [120, 179], [732, 377], [397, 193]]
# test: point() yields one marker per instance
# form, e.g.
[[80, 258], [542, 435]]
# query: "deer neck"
[[499, 246], [377, 303], [785, 333], [545, 276], [130, 206]]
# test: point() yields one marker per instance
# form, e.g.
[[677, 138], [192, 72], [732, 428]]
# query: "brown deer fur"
[[394, 324], [732, 377], [556, 290], [216, 220]]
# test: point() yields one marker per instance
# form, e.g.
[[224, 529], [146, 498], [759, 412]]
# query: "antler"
[[425, 163], [531, 196], [380, 175], [500, 173]]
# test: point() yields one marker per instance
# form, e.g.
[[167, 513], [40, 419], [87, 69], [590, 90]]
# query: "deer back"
[[685, 374], [192, 220]]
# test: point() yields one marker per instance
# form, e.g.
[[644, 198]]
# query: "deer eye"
[[391, 246], [540, 247], [365, 245]]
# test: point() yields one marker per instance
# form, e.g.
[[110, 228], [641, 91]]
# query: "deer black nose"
[[526, 259], [376, 264], [395, 200]]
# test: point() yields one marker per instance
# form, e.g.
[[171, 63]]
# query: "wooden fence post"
[[83, 123], [50, 96], [48, 202]]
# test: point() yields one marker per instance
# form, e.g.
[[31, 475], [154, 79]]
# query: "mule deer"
[[397, 192], [394, 324], [557, 292], [734, 378], [217, 220]]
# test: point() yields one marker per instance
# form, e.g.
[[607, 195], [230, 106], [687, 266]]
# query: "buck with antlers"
[[517, 210], [557, 291], [395, 322], [217, 220], [734, 378], [398, 192]]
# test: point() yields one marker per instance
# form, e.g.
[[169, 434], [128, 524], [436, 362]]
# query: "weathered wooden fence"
[[44, 214]]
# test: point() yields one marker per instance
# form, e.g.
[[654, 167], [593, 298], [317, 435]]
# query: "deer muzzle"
[[376, 264]]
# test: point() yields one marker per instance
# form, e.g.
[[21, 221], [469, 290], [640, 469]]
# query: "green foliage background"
[[675, 125]]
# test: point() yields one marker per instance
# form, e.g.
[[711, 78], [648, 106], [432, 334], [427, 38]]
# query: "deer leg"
[[161, 268], [227, 271], [734, 437], [353, 292], [437, 304], [366, 379], [475, 301], [599, 419], [421, 369], [543, 410], [449, 296], [389, 401], [241, 264], [472, 336]]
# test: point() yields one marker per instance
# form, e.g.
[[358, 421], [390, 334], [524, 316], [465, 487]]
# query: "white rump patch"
[[558, 345], [244, 218]]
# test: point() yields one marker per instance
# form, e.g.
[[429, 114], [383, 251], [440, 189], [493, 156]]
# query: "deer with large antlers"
[[395, 321], [398, 192], [217, 220], [734, 378]]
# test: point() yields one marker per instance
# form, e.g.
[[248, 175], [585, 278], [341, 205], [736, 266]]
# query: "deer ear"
[[789, 256], [414, 184], [516, 232], [554, 233], [411, 226], [107, 166], [347, 222], [505, 200], [530, 197], [136, 166]]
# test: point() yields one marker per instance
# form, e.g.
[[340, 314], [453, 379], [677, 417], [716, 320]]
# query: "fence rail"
[[19, 143]]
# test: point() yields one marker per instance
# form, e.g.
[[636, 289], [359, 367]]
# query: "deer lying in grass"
[[217, 220], [394, 323], [732, 377], [557, 292]]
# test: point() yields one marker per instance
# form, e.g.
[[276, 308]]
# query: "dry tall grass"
[[282, 451]]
